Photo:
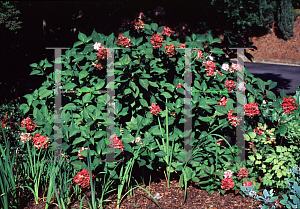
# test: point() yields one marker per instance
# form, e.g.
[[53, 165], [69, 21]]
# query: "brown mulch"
[[272, 46]]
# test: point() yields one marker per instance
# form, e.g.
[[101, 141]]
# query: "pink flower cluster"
[[228, 183], [124, 41], [98, 66], [251, 109], [139, 24], [24, 136], [138, 140], [103, 53], [230, 85], [199, 54], [83, 178], [223, 101], [170, 50], [79, 155], [156, 41], [210, 68], [289, 105], [234, 68], [167, 31], [232, 119], [179, 86], [28, 124], [154, 109], [116, 143], [182, 46], [40, 141]]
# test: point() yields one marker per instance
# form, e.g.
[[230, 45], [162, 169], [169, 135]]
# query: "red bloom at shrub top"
[[170, 50], [210, 68], [251, 144], [223, 101], [247, 184], [251, 109], [227, 184], [40, 141], [167, 31], [24, 136], [116, 143], [156, 41], [258, 131], [98, 66], [103, 53], [28, 124], [243, 172], [83, 178], [230, 85], [199, 53], [182, 46], [124, 41], [179, 86], [154, 109], [289, 105], [139, 24]]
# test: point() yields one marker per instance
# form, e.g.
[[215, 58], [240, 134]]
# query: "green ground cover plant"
[[149, 68]]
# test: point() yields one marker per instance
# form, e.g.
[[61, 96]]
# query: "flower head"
[[247, 184], [243, 172], [230, 85], [156, 41], [154, 109], [227, 174], [259, 131], [28, 124], [251, 109], [225, 67], [167, 31], [210, 68], [124, 41], [83, 178], [241, 86], [289, 105], [232, 119], [40, 141], [97, 46], [116, 143], [223, 101], [103, 53], [210, 58], [199, 53], [139, 24], [179, 86], [170, 50], [23, 137], [227, 184]]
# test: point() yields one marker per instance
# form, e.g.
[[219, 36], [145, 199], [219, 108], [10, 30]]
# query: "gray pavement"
[[286, 76]]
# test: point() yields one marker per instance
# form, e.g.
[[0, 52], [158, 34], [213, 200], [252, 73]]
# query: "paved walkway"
[[287, 76]]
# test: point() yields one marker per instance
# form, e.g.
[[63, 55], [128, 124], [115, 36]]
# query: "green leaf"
[[144, 83], [221, 109], [25, 108], [45, 93], [144, 103], [86, 98], [69, 86], [282, 129], [271, 95], [77, 43], [78, 140], [166, 95], [36, 72], [154, 26], [161, 153], [217, 51], [272, 85], [82, 37], [261, 85], [33, 65], [283, 94], [29, 98], [96, 37], [83, 74]]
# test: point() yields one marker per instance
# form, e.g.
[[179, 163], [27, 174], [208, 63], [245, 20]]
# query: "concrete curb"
[[272, 61]]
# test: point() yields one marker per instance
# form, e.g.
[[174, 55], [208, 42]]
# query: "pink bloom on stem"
[[227, 174], [40, 141], [97, 46], [124, 41], [79, 155], [24, 136], [243, 172], [116, 143], [139, 24], [154, 109], [247, 184], [227, 184], [251, 109], [167, 31], [156, 41], [179, 86], [232, 119], [223, 101], [289, 105], [170, 50], [241, 86], [230, 85], [82, 178], [28, 124]]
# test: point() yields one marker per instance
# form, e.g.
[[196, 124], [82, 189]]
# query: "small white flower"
[[264, 101], [210, 58], [97, 46], [225, 67], [241, 86]]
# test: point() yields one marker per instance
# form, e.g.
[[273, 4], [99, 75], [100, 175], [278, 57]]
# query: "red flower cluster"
[[251, 109], [170, 50], [116, 143], [98, 66], [83, 178], [210, 68], [233, 120], [167, 31], [156, 41], [103, 53], [223, 101], [182, 46], [227, 183], [243, 172], [251, 144], [24, 136], [40, 141], [230, 85], [28, 124], [258, 131], [154, 109], [179, 86], [199, 54], [124, 41], [139, 24], [247, 183], [289, 105]]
